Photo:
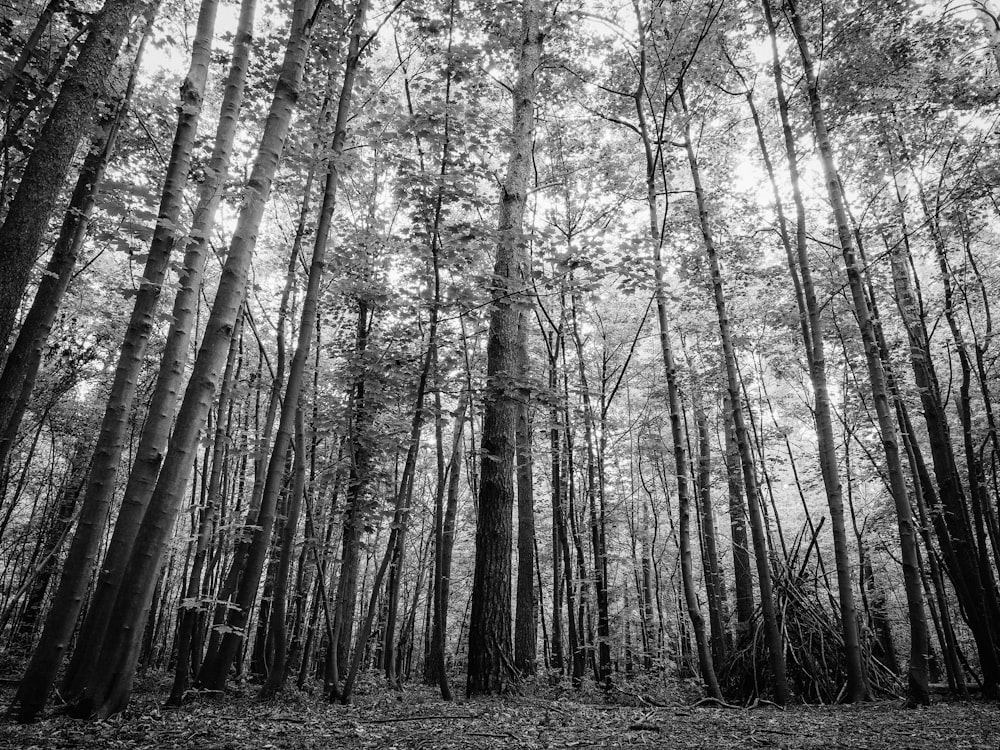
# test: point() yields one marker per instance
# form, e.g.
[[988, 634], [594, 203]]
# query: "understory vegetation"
[[622, 359]]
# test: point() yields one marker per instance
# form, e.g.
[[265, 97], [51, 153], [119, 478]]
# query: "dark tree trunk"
[[490, 658], [71, 117]]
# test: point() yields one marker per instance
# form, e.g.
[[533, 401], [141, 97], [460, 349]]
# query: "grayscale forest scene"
[[499, 374]]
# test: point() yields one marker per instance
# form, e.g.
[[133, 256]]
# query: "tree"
[[108, 692], [489, 626], [72, 115]]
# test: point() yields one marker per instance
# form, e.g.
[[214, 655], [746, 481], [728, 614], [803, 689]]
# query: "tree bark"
[[257, 554], [22, 365], [163, 404], [490, 666], [917, 681], [856, 686], [775, 646], [71, 117], [108, 691]]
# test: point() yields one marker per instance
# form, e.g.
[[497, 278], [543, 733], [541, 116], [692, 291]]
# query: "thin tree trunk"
[[191, 606], [857, 688], [16, 73], [257, 554], [776, 651], [710, 553], [526, 601], [917, 681], [278, 633]]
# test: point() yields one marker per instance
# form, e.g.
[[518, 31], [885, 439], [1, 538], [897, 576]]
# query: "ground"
[[548, 718]]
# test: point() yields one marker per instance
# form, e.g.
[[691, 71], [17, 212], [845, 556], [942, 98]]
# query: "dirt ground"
[[417, 718]]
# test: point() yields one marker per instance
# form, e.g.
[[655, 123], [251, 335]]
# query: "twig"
[[707, 701], [421, 718]]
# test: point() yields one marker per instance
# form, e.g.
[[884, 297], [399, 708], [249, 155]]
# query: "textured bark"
[[22, 365], [72, 115], [67, 601], [490, 666], [108, 691], [163, 404]]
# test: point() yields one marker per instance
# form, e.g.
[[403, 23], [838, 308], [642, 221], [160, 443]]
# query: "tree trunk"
[[108, 691], [22, 365], [710, 553], [278, 633], [163, 404], [96, 505], [69, 121], [257, 554], [776, 650], [742, 575], [856, 686], [526, 601], [191, 606], [490, 666], [917, 683]]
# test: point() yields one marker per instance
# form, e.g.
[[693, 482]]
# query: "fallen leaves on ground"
[[416, 718]]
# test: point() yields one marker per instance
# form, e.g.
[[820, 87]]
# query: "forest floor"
[[417, 718]]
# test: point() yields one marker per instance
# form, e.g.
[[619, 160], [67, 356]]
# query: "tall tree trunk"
[[857, 688], [163, 405], [108, 691], [775, 646], [278, 632], [490, 668], [69, 121], [191, 606], [21, 367], [594, 474], [436, 668], [96, 505], [917, 681], [353, 517], [742, 575], [710, 554], [257, 554], [526, 601]]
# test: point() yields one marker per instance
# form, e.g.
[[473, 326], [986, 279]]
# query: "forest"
[[572, 364]]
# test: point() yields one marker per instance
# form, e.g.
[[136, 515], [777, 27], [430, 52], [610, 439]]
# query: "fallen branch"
[[708, 701], [422, 718]]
